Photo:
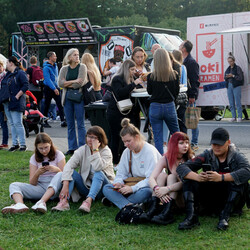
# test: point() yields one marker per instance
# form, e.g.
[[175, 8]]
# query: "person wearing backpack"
[[35, 75]]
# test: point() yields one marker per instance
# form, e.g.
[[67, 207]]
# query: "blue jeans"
[[5, 131], [95, 191], [15, 120], [159, 112], [120, 200], [74, 110], [234, 97], [195, 132]]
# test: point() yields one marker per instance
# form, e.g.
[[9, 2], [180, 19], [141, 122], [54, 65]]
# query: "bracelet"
[[222, 178], [169, 189], [95, 149], [156, 186]]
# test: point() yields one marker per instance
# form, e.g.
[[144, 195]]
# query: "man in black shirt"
[[222, 185]]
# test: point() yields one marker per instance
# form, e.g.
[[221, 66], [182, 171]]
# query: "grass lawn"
[[98, 230]]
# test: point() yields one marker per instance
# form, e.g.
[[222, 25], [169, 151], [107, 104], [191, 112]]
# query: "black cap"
[[219, 136]]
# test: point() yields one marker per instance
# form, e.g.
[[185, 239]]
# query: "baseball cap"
[[219, 136]]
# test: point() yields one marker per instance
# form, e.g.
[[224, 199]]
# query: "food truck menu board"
[[57, 32]]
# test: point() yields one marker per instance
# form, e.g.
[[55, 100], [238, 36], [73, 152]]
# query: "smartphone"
[[206, 167], [45, 163]]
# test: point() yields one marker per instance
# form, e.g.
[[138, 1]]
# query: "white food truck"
[[213, 38]]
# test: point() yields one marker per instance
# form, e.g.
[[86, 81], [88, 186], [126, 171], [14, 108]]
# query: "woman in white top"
[[45, 163], [143, 157]]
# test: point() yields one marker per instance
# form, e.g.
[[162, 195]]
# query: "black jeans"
[[181, 118], [49, 94], [211, 197]]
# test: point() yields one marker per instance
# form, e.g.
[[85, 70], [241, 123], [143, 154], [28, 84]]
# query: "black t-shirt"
[[223, 167]]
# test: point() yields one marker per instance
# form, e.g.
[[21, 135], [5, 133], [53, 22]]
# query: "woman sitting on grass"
[[143, 157], [96, 170], [167, 186], [44, 164]]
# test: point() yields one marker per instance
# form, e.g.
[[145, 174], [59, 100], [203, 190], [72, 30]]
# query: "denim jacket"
[[238, 79]]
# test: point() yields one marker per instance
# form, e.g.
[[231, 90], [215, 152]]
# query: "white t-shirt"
[[58, 157]]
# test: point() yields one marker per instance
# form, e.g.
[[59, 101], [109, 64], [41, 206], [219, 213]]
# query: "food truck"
[[39, 37], [213, 38]]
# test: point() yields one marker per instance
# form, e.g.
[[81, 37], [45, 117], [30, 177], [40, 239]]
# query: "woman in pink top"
[[44, 164]]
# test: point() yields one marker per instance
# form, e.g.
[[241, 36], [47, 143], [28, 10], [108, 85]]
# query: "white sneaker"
[[40, 206], [15, 208], [233, 120], [239, 120]]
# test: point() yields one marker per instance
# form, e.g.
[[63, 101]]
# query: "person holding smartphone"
[[45, 163], [220, 187]]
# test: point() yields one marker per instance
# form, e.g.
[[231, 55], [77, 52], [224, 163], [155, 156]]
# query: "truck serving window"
[[168, 42]]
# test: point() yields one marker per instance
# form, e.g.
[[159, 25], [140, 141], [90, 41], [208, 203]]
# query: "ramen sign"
[[209, 51], [57, 32]]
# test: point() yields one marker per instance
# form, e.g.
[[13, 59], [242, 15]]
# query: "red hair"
[[173, 151]]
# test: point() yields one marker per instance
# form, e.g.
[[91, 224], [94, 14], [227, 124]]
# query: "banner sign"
[[57, 32]]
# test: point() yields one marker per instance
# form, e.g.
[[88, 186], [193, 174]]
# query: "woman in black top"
[[122, 85], [163, 85]]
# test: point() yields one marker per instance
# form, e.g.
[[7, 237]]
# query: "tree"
[[129, 20]]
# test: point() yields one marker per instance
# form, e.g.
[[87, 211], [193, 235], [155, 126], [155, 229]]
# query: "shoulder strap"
[[130, 162], [166, 87]]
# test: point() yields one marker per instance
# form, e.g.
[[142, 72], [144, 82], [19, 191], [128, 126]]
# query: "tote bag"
[[192, 117]]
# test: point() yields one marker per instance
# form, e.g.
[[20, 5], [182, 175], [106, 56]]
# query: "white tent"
[[238, 30]]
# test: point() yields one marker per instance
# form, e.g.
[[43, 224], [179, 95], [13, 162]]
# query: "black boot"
[[153, 209], [166, 216], [232, 200], [191, 219]]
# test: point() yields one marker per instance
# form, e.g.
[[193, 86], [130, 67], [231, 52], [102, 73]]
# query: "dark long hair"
[[173, 151], [14, 60], [44, 138]]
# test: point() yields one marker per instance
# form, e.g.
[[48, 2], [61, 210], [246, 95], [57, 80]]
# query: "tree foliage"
[[158, 13]]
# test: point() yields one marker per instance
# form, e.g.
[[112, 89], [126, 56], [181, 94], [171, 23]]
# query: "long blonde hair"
[[124, 72], [66, 59], [163, 71], [89, 61]]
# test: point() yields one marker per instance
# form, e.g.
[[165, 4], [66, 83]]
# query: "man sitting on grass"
[[222, 185]]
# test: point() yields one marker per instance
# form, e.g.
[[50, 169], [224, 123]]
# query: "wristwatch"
[[95, 149]]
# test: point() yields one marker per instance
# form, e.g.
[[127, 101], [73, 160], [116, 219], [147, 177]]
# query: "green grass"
[[98, 230], [228, 114]]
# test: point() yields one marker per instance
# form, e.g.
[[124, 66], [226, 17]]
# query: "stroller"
[[32, 122]]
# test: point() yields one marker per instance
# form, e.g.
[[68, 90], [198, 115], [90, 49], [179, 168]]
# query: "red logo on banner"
[[202, 25], [209, 52]]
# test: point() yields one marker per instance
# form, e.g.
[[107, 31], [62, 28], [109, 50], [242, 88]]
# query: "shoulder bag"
[[74, 95], [124, 106], [88, 93], [131, 181]]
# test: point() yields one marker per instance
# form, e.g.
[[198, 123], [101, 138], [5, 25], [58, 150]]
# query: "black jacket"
[[16, 81], [238, 80], [238, 165], [193, 76]]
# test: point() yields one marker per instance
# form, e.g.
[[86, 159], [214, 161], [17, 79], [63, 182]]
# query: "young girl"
[[44, 164], [143, 157], [167, 186]]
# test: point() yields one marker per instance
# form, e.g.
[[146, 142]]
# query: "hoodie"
[[50, 74]]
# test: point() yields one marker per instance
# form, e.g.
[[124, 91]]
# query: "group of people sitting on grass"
[[215, 181]]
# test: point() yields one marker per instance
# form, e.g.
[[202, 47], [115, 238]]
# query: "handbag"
[[88, 93], [74, 95], [131, 181], [181, 99], [192, 117], [124, 105]]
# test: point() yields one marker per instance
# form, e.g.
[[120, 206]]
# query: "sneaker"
[[15, 208], [14, 148], [239, 120], [233, 120], [40, 206], [4, 146], [46, 125], [70, 152], [106, 202], [63, 124], [44, 119], [85, 207], [194, 147], [62, 205], [23, 148]]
